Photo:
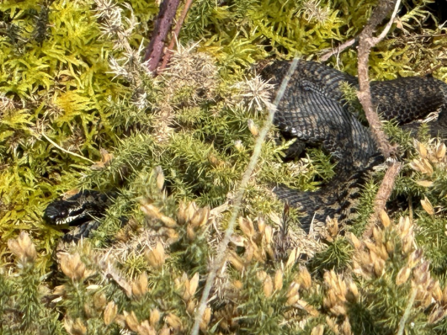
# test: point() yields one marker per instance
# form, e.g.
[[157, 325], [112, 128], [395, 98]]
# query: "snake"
[[314, 111]]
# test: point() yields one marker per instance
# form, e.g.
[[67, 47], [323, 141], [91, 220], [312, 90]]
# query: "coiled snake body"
[[314, 111]]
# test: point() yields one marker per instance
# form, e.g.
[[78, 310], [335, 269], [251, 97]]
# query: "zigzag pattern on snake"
[[313, 110]]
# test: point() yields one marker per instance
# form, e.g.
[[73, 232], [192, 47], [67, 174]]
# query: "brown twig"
[[166, 15], [339, 49], [366, 42], [174, 38]]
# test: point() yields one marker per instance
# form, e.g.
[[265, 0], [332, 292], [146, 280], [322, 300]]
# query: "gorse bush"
[[80, 110]]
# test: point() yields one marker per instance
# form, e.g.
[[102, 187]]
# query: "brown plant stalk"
[[174, 38], [154, 50], [366, 42]]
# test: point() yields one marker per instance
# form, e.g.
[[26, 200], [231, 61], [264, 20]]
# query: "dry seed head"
[[330, 300], [345, 328], [169, 222], [415, 258], [253, 128], [318, 330], [160, 177], [190, 233], [247, 227], [72, 266], [156, 257], [403, 275], [239, 146], [379, 267], [205, 319], [131, 320], [261, 224], [424, 183], [420, 148], [155, 317], [23, 248], [440, 151], [292, 300], [338, 310], [444, 296], [181, 214], [268, 286], [436, 315], [436, 293], [278, 282], [146, 329], [352, 294], [99, 301], [174, 321], [200, 217], [404, 226], [378, 235], [268, 234], [76, 327], [421, 273], [164, 331], [191, 287], [110, 313], [151, 210], [332, 227], [426, 204], [294, 254], [355, 241], [236, 261], [139, 287], [384, 218], [304, 278]]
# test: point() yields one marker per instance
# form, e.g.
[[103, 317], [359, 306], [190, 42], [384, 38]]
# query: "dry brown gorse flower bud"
[[110, 313], [156, 257], [23, 248], [75, 327], [73, 267]]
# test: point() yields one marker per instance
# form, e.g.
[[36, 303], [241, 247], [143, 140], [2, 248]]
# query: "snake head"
[[78, 209]]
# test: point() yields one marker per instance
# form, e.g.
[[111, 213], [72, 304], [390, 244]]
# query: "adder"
[[315, 112]]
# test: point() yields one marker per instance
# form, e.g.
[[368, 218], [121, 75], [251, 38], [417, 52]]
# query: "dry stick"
[[64, 150], [339, 49], [366, 42], [220, 254], [163, 23], [174, 38]]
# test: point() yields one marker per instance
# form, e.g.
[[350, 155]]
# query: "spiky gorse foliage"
[[78, 109]]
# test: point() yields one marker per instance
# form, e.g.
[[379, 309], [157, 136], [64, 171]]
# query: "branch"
[[174, 38], [154, 50], [366, 42], [339, 49]]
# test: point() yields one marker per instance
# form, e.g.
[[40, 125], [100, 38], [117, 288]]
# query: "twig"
[[366, 42], [163, 23], [339, 49], [64, 150], [220, 254], [382, 196], [174, 38], [406, 315]]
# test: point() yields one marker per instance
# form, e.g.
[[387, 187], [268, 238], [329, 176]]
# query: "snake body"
[[315, 112]]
